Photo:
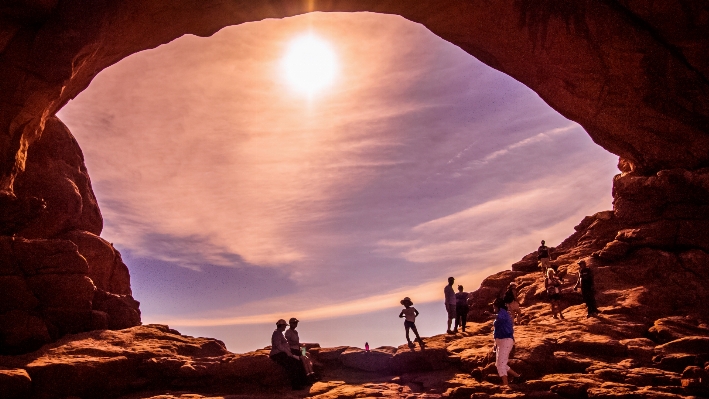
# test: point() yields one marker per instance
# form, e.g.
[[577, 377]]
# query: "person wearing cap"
[[588, 291], [409, 313], [295, 346], [503, 334], [281, 354], [450, 303], [544, 257]]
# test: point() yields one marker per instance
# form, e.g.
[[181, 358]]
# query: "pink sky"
[[236, 200]]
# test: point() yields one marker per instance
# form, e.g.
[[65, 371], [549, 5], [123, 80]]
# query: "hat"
[[281, 322], [406, 301], [512, 284], [581, 262], [293, 320]]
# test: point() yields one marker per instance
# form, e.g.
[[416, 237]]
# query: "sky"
[[236, 198]]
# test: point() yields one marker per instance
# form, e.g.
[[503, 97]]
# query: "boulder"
[[55, 172], [21, 331], [106, 268], [15, 384], [373, 360]]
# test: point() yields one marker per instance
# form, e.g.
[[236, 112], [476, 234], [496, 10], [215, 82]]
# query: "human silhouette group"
[[287, 351]]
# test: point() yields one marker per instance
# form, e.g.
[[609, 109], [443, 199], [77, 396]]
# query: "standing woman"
[[461, 308], [553, 286], [504, 340]]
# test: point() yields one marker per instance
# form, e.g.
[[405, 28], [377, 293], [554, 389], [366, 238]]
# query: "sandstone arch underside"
[[634, 74]]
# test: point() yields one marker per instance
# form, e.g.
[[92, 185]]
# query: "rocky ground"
[[650, 258]]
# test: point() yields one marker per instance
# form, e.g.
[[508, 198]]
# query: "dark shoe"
[[449, 332]]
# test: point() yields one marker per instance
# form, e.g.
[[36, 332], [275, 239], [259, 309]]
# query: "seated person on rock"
[[295, 346], [281, 354]]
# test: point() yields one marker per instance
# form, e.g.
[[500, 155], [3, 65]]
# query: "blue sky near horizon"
[[236, 200]]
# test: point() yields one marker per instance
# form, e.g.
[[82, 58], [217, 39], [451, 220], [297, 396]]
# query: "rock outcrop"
[[57, 276]]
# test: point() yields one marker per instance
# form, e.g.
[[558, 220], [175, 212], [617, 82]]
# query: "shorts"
[[544, 263], [555, 297], [450, 308]]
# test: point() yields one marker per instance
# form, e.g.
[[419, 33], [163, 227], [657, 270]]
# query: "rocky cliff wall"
[[57, 276]]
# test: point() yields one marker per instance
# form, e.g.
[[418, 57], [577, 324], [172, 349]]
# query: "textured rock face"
[[48, 291], [56, 275]]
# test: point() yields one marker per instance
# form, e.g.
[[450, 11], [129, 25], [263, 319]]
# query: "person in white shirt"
[[281, 354], [409, 313], [450, 303], [295, 346]]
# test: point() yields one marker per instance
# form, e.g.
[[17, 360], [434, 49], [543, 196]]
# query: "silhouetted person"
[[461, 308], [409, 313], [504, 340], [281, 354], [295, 347], [588, 291], [450, 302], [544, 257]]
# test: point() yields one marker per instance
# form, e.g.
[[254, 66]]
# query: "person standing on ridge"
[[450, 303], [588, 291], [409, 313], [544, 257], [461, 308]]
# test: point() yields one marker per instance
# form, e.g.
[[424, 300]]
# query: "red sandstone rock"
[[15, 384], [106, 268], [55, 172]]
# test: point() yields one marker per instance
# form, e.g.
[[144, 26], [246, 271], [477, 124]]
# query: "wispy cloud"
[[417, 163]]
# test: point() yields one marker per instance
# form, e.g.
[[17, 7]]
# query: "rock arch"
[[634, 74]]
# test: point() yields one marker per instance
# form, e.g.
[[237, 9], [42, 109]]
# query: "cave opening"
[[230, 195]]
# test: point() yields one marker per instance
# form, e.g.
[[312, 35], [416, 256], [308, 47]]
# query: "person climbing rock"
[[296, 348], [450, 303], [503, 334], [544, 257], [461, 308], [588, 291], [510, 299], [552, 283], [409, 314], [281, 354]]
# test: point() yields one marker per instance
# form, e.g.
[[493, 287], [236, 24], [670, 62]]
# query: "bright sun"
[[309, 64]]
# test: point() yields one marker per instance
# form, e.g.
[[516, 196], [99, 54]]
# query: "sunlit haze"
[[309, 64], [235, 203]]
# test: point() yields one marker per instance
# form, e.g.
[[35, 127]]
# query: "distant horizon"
[[236, 199]]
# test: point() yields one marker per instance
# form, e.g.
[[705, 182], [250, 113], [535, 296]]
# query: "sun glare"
[[309, 64]]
